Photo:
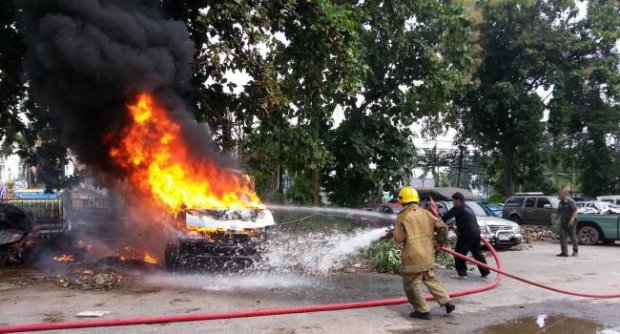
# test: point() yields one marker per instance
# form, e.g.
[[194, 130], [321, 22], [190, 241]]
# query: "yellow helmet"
[[408, 195]]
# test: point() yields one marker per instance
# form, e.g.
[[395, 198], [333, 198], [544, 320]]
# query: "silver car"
[[501, 233]]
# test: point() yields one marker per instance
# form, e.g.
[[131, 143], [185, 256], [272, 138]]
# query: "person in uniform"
[[567, 212], [415, 229]]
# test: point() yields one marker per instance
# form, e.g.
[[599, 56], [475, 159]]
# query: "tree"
[[432, 160], [12, 90], [25, 129], [466, 174], [415, 63], [585, 109], [520, 41]]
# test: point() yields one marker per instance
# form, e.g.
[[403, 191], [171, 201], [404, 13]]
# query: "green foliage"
[[385, 256], [444, 260], [411, 69], [303, 223], [378, 67], [585, 109], [521, 45], [12, 91], [434, 159], [497, 198], [300, 192]]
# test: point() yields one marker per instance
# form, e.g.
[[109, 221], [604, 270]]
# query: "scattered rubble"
[[78, 276], [355, 264], [537, 233], [88, 279]]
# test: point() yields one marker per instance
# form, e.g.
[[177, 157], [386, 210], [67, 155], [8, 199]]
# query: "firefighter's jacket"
[[415, 229]]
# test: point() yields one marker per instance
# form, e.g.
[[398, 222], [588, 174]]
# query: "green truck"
[[592, 229]]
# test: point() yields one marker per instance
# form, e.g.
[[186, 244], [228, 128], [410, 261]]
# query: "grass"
[[310, 222], [386, 257]]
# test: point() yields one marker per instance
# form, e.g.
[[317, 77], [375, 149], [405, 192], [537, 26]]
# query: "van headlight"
[[487, 230], [516, 229]]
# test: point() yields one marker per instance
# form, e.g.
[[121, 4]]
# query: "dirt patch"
[[53, 317]]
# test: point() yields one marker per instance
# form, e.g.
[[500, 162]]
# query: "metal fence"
[[48, 214]]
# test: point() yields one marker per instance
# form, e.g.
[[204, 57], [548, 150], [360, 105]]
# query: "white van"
[[613, 199]]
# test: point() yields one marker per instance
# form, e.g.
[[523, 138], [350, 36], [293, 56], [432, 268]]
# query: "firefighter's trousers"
[[411, 283]]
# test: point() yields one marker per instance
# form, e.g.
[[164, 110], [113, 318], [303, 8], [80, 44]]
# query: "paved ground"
[[597, 269]]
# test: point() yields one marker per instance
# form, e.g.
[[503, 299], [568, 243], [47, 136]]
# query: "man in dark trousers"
[[567, 212], [468, 233]]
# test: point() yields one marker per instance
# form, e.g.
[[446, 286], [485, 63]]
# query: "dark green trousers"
[[568, 232]]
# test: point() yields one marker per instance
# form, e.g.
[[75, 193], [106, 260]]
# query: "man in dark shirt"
[[567, 212], [468, 233]]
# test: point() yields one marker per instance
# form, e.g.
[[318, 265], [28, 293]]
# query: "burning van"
[[228, 237]]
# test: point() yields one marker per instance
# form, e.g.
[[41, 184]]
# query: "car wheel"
[[171, 257], [588, 235], [4, 256], [516, 219]]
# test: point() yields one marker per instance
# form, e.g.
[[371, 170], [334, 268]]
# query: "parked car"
[[582, 209], [597, 208], [495, 208], [592, 229], [385, 215], [531, 208], [614, 199], [501, 233], [16, 233]]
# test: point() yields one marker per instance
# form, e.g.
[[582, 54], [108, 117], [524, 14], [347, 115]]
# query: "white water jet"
[[316, 252], [230, 282], [330, 212]]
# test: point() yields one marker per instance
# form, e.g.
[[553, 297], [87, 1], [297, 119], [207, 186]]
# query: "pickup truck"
[[592, 229]]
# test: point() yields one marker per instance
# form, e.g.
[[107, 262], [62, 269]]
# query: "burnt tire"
[[4, 256], [171, 257], [516, 219], [588, 235]]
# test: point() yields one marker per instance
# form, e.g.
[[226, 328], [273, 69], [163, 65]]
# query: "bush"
[[386, 257], [443, 259], [496, 198]]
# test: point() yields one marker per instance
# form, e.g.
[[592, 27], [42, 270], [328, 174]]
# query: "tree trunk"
[[316, 186], [510, 175]]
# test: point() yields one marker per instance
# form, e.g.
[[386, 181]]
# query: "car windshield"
[[477, 208], [555, 203]]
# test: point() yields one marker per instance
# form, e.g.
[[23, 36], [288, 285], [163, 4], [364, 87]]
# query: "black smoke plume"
[[88, 59]]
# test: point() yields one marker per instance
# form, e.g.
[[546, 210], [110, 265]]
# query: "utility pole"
[[460, 168]]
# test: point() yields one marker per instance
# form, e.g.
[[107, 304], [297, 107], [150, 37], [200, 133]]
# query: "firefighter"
[[415, 229]]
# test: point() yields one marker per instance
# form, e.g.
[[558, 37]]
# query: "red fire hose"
[[239, 314], [525, 280], [279, 311]]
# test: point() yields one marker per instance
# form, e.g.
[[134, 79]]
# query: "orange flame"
[[159, 163], [64, 258], [149, 259]]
